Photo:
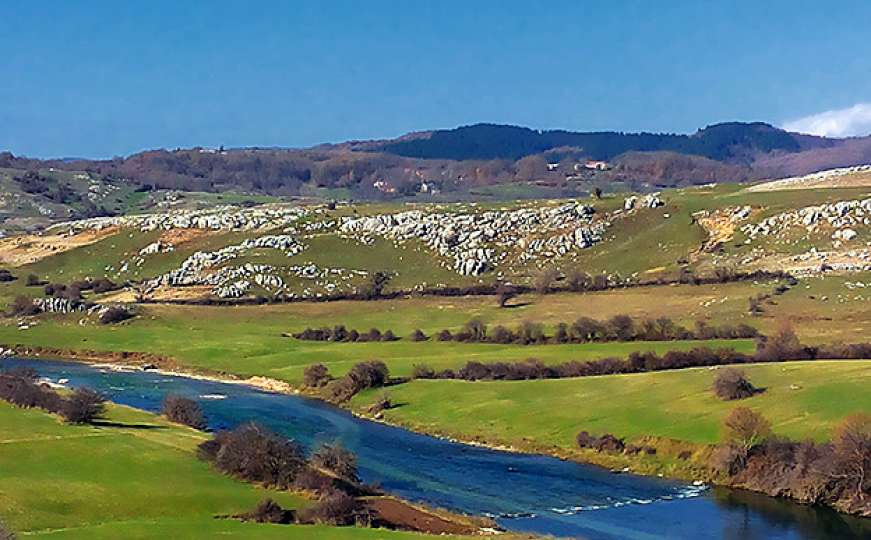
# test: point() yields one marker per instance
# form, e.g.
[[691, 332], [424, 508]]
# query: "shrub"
[[115, 314], [182, 410], [21, 389], [504, 293], [422, 371], [256, 454], [578, 280], [34, 281], [382, 403], [316, 375], [545, 278], [104, 285], [337, 460], [23, 306], [389, 336], [6, 276], [363, 375], [418, 335], [269, 511], [445, 335], [783, 345], [731, 383], [83, 406], [605, 443], [336, 508], [852, 450], [6, 534], [746, 428]]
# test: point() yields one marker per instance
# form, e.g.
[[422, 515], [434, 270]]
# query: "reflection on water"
[[524, 493]]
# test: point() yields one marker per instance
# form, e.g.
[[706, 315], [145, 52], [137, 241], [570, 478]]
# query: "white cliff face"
[[477, 242]]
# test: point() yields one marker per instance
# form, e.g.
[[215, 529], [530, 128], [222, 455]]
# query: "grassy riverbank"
[[671, 410], [133, 475]]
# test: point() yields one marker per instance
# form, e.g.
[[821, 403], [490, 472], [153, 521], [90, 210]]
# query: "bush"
[[269, 511], [336, 508], [504, 293], [23, 306], [422, 371], [731, 384], [34, 281], [852, 451], [605, 443], [21, 389], [337, 460], [6, 534], [745, 428], [182, 410], [115, 314], [6, 276], [256, 454], [316, 375], [363, 375], [418, 335], [104, 285], [83, 406], [382, 403]]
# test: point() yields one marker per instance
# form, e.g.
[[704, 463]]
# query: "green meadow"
[[801, 399], [133, 475]]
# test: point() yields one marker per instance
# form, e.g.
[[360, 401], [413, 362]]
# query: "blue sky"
[[97, 79]]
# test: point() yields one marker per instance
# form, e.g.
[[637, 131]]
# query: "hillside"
[[472, 163]]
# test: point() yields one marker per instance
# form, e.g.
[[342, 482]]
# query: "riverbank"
[[671, 458]]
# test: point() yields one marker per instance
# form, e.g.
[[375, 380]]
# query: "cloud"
[[852, 121]]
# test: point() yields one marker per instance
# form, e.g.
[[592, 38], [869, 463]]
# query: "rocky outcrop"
[[475, 242]]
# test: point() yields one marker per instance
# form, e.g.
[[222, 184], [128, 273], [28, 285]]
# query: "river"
[[522, 492]]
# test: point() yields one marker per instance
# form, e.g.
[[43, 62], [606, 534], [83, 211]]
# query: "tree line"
[[583, 330], [21, 388], [254, 453], [783, 346]]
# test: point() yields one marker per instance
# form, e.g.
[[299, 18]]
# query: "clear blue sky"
[[104, 78]]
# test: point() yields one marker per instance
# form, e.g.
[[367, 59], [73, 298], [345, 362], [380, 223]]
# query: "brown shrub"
[[182, 410], [115, 314], [336, 508], [256, 454], [746, 428], [337, 460], [731, 384], [316, 376], [83, 406]]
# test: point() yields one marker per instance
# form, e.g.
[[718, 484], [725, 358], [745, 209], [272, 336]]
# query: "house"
[[597, 165], [429, 187], [383, 187]]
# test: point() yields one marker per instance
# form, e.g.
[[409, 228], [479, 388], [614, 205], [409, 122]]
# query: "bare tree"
[[746, 428], [545, 278]]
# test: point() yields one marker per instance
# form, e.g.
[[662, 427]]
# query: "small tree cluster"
[[6, 276], [22, 306], [730, 384], [362, 376], [604, 443], [836, 473], [342, 335], [316, 376], [115, 314], [21, 388], [182, 410], [254, 453]]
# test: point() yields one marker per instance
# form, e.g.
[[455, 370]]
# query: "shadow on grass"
[[111, 424]]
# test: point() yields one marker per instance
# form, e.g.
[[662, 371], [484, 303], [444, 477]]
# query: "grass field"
[[247, 340], [134, 476], [801, 399]]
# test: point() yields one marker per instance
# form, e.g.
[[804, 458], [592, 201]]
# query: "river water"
[[524, 493]]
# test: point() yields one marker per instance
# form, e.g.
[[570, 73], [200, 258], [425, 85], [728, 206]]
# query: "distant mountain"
[[468, 162], [732, 141]]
